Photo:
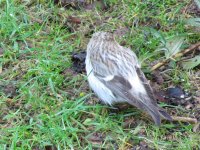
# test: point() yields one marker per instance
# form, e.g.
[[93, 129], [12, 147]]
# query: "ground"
[[45, 101]]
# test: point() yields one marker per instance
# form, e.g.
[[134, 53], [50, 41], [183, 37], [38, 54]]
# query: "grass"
[[53, 108]]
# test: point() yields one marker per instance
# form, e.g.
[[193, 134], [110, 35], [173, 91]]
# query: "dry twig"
[[185, 119]]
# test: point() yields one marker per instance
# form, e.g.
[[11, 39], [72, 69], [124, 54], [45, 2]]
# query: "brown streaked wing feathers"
[[151, 94], [122, 89], [146, 85]]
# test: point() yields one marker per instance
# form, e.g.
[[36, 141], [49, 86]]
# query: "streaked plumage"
[[114, 74]]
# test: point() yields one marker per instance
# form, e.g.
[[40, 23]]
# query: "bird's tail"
[[150, 106], [152, 109], [156, 113]]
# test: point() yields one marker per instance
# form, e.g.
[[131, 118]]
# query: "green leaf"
[[191, 63], [158, 35], [193, 22], [173, 46]]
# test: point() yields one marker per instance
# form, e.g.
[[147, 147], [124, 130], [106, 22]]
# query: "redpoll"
[[114, 74]]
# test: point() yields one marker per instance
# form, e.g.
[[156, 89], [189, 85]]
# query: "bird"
[[115, 75]]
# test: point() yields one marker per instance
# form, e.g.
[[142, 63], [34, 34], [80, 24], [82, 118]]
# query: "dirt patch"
[[78, 59], [9, 90]]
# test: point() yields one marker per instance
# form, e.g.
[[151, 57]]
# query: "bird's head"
[[105, 36]]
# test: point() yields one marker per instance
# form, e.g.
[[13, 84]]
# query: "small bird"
[[114, 74]]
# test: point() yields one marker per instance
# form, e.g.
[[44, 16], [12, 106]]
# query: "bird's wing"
[[123, 88], [151, 94], [146, 85]]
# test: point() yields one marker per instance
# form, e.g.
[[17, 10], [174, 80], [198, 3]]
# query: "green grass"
[[52, 108]]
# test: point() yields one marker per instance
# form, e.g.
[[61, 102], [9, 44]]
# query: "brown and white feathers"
[[114, 74]]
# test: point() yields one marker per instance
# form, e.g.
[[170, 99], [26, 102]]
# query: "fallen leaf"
[[191, 63], [74, 20], [9, 101]]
